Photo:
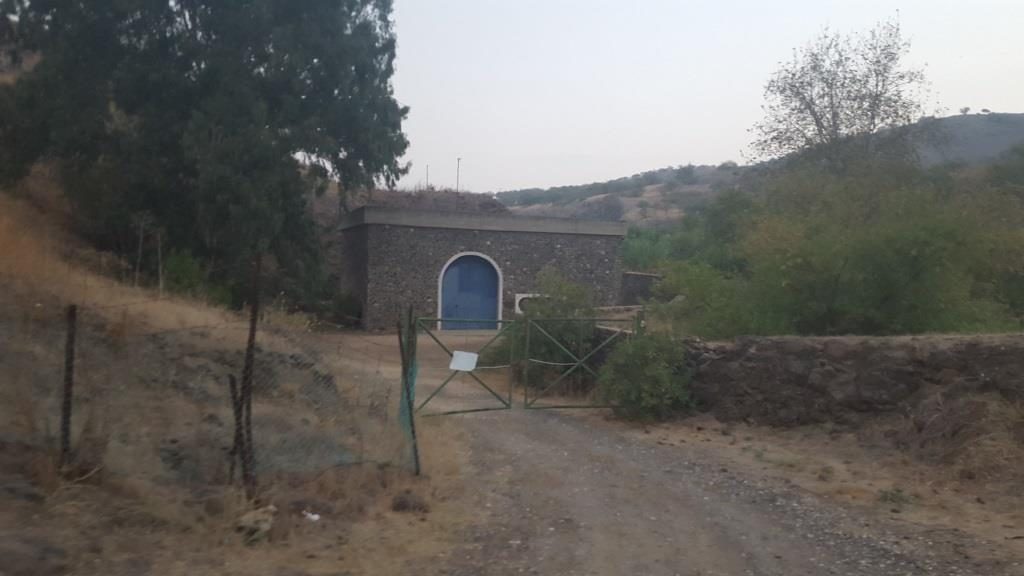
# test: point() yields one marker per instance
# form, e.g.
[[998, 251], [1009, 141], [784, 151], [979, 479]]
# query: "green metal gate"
[[555, 361], [568, 352], [477, 374]]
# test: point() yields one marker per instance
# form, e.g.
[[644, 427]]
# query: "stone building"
[[471, 266]]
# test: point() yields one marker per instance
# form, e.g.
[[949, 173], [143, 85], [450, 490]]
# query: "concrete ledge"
[[477, 221]]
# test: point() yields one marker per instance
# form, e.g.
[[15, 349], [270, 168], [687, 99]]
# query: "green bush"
[[644, 249], [646, 378], [183, 274]]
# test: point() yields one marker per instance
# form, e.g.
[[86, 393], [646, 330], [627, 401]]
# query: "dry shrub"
[[28, 256], [213, 510], [90, 451], [281, 529], [33, 250], [38, 455], [978, 437], [409, 501], [42, 189], [348, 491], [278, 315], [439, 439], [27, 415], [119, 330], [43, 470]]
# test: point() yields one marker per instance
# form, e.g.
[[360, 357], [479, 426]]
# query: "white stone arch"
[[440, 282]]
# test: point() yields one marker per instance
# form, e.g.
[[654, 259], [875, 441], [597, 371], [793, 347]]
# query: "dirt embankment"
[[148, 487], [950, 400]]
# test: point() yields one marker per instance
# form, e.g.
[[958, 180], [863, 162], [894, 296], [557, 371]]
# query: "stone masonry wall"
[[789, 381], [404, 263]]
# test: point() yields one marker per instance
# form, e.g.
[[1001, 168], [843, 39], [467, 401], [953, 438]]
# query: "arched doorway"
[[469, 288]]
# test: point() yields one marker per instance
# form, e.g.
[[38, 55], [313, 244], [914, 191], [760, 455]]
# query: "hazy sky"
[[551, 92]]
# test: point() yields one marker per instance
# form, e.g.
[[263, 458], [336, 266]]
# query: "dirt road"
[[555, 493]]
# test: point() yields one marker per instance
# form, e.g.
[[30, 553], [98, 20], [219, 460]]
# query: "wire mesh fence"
[[151, 398]]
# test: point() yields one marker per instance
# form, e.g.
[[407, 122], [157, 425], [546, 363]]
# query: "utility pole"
[[428, 176], [458, 172]]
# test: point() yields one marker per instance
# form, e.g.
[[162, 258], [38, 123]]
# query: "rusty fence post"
[[69, 384], [245, 393]]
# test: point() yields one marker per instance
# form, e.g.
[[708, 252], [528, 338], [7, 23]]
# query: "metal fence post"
[[526, 364]]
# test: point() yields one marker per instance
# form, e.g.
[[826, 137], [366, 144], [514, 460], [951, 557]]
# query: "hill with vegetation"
[[659, 197], [972, 138], [655, 196]]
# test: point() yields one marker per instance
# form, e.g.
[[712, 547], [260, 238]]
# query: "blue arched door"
[[469, 291]]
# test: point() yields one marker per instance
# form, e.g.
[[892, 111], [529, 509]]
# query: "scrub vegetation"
[[844, 231], [646, 378], [807, 251]]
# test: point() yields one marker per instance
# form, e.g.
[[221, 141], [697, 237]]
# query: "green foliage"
[[562, 297], [1009, 172], [644, 249], [709, 232], [219, 119], [809, 252], [646, 378], [184, 275], [697, 298], [686, 175], [565, 312]]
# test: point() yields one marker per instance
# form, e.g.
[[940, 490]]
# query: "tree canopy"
[[217, 120]]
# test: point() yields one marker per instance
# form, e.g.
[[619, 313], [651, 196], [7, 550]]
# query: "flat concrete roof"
[[479, 221]]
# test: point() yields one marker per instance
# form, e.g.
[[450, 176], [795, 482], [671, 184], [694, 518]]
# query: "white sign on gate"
[[463, 361]]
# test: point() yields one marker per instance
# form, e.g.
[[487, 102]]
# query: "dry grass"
[[32, 247], [976, 437], [135, 395]]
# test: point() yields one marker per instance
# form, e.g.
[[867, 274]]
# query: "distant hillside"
[[973, 138], [662, 196], [651, 197]]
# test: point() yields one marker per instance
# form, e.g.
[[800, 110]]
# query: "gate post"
[[526, 364]]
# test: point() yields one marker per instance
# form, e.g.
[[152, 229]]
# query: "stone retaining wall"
[[794, 381]]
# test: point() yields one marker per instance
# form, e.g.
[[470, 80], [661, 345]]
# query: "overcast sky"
[[539, 93]]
